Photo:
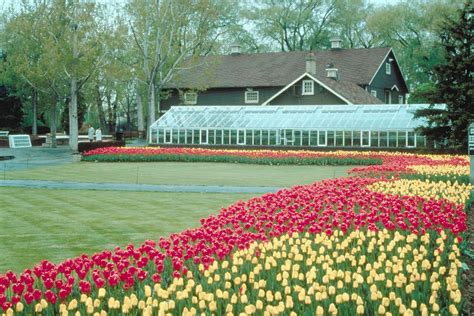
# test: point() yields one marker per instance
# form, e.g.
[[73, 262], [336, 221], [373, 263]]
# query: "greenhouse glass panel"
[[249, 137], [265, 138], [383, 138], [233, 137], [189, 136], [257, 137], [402, 139], [182, 136], [411, 139], [297, 141], [175, 137], [196, 136], [356, 139], [168, 133], [365, 138], [339, 138], [330, 135], [392, 139], [226, 137], [204, 137], [374, 139], [154, 136], [305, 138], [313, 138], [272, 138], [218, 138], [322, 138], [240, 137], [348, 138]]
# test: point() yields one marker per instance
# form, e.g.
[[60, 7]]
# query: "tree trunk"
[[100, 110], [140, 123], [73, 129], [115, 118], [53, 127], [151, 104], [34, 103], [109, 114]]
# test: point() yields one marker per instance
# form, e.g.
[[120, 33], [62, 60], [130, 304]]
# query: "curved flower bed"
[[148, 154], [357, 245]]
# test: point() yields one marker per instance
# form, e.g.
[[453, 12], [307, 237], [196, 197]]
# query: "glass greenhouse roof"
[[335, 117]]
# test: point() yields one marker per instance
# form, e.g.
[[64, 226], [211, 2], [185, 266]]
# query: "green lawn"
[[38, 224], [57, 224], [183, 173]]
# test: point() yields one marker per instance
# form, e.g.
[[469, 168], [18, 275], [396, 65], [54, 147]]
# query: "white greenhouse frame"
[[374, 126]]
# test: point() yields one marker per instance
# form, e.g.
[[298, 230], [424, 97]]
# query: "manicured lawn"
[[38, 224], [183, 173]]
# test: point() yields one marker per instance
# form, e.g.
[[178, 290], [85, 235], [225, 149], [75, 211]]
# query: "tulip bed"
[[385, 240], [267, 157]]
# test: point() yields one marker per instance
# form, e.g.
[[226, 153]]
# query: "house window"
[[388, 68], [373, 92], [190, 98], [308, 87], [251, 96], [400, 99]]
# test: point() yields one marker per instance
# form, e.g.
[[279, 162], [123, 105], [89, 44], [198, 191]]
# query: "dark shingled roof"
[[277, 69], [355, 67], [351, 91]]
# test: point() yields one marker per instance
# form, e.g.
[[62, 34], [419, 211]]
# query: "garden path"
[[70, 185]]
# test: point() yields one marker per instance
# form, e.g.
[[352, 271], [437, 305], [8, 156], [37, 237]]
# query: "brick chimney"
[[311, 63]]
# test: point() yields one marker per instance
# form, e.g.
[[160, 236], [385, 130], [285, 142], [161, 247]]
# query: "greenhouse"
[[380, 126]]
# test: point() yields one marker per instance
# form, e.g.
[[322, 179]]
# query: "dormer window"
[[336, 43], [235, 49], [307, 87], [251, 97], [332, 73], [190, 98], [388, 68]]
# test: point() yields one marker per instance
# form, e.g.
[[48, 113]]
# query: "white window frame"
[[414, 140], [238, 136], [366, 138], [200, 137], [190, 97], [388, 68], [400, 99], [170, 131], [310, 84], [332, 72], [252, 100], [373, 92]]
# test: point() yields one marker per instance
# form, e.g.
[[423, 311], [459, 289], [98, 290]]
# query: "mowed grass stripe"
[[38, 224], [226, 174]]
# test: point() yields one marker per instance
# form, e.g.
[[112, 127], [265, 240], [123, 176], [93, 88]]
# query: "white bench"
[[4, 133]]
